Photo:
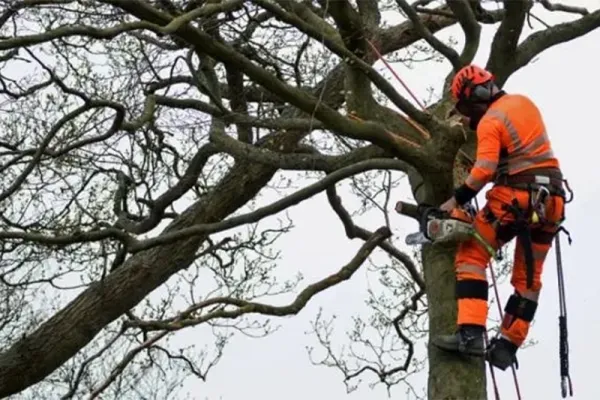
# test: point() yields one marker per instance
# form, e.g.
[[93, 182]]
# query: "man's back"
[[520, 127]]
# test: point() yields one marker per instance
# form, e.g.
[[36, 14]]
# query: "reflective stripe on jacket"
[[511, 138]]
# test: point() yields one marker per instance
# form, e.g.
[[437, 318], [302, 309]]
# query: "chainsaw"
[[437, 226]]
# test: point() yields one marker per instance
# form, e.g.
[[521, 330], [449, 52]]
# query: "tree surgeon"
[[527, 201]]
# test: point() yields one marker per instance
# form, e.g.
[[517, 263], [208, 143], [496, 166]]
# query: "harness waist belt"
[[551, 178]]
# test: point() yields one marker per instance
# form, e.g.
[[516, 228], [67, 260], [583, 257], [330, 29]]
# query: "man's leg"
[[521, 306], [472, 289]]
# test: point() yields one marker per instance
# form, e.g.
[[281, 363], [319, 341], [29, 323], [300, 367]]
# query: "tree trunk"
[[450, 377], [35, 356]]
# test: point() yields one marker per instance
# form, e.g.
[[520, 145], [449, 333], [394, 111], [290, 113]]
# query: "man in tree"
[[527, 201]]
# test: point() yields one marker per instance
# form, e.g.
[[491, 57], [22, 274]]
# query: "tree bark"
[[450, 377]]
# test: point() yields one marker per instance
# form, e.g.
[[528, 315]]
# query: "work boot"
[[468, 339], [502, 353]]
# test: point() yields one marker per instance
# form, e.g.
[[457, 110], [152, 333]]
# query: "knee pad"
[[519, 307]]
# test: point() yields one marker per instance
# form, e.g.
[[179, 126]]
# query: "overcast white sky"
[[564, 83]]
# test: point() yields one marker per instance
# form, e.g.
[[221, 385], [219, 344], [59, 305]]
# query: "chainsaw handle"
[[428, 212]]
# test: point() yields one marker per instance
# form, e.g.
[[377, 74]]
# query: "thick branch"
[[235, 81], [355, 36], [207, 10], [505, 41], [408, 209], [471, 28], [369, 11], [72, 30], [345, 17], [306, 162], [538, 42]]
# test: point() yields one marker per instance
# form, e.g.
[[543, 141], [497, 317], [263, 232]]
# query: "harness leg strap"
[[525, 237]]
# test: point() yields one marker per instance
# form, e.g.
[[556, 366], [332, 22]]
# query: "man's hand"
[[449, 205]]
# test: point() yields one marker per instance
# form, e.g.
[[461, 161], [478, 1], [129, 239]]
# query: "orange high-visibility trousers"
[[472, 259]]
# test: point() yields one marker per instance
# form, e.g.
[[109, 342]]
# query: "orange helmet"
[[467, 78]]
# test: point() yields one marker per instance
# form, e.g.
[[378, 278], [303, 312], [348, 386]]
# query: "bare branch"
[[383, 374], [550, 6], [505, 40], [434, 42], [273, 208], [158, 207], [252, 94], [126, 360], [352, 59], [50, 136], [353, 231], [76, 30], [240, 119], [185, 318], [471, 28], [537, 42], [204, 11]]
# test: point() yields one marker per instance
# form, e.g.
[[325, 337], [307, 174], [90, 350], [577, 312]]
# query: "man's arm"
[[488, 152]]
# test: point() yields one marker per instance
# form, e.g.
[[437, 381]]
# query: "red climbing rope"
[[389, 67]]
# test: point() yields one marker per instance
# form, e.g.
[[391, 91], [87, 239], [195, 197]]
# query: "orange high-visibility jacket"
[[511, 138]]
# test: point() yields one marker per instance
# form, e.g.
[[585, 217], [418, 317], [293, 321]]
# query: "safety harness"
[[540, 184]]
